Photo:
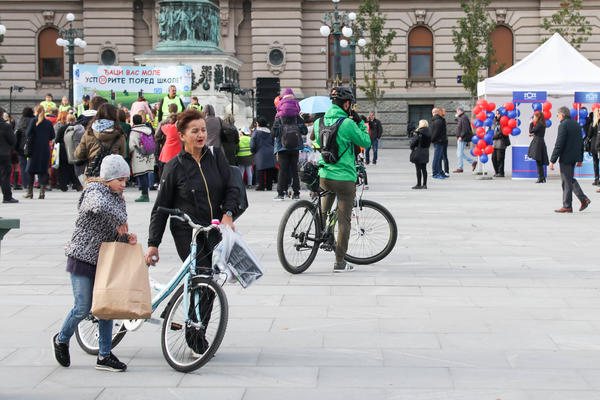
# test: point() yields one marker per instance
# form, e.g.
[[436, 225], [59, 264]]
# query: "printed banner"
[[587, 97], [587, 169], [523, 167], [122, 85], [529, 97]]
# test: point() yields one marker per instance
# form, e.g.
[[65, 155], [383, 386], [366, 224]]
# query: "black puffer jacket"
[[438, 130], [202, 191]]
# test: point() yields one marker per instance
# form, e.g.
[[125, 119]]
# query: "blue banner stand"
[[586, 171], [523, 167]]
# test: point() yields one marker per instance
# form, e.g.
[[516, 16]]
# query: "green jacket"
[[349, 133]]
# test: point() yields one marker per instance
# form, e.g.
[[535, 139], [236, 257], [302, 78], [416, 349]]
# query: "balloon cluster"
[[544, 109], [581, 114], [509, 122], [483, 121]]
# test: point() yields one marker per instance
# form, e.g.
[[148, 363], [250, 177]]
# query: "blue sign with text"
[[529, 97], [587, 169], [523, 167], [587, 97]]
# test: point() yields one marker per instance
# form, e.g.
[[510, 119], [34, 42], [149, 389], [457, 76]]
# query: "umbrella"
[[315, 104]]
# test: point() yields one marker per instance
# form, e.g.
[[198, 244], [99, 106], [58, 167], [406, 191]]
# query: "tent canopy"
[[555, 67]]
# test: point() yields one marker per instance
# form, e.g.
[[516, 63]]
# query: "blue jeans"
[[143, 182], [83, 287], [374, 145], [438, 153], [460, 154]]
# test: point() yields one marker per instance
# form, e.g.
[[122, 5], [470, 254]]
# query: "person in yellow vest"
[[64, 105], [172, 98], [84, 106], [245, 156], [195, 105], [48, 104]]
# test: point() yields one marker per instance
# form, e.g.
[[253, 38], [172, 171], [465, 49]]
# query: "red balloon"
[[489, 149], [476, 110], [491, 107], [482, 116], [547, 114], [504, 120], [547, 106], [509, 106], [477, 151], [482, 103], [473, 124], [512, 123], [506, 130], [595, 105], [480, 131], [481, 144], [576, 105]]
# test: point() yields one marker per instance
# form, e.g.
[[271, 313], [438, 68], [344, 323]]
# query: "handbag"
[[55, 156], [121, 285], [587, 144]]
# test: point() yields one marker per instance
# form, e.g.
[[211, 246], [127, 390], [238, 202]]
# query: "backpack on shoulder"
[[291, 136], [73, 135], [330, 151], [147, 144], [93, 168]]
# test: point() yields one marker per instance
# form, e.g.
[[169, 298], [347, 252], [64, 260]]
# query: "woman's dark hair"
[[261, 121], [539, 117], [141, 98], [106, 111], [121, 115], [307, 119], [27, 112], [184, 118]]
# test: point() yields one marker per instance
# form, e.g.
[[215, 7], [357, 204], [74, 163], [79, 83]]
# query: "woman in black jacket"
[[39, 134], [420, 153], [537, 148], [592, 136], [21, 131], [197, 181]]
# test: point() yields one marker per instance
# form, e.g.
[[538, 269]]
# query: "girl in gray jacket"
[[102, 217]]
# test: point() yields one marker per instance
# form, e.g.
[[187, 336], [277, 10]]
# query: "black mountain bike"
[[305, 228]]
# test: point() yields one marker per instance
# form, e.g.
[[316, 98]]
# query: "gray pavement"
[[488, 295]]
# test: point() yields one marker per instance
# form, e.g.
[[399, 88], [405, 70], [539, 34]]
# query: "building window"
[[417, 112], [50, 63], [420, 53], [502, 43], [345, 60], [108, 57]]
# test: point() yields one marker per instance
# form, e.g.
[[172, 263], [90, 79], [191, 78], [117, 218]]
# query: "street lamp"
[[10, 96], [354, 34], [69, 38]]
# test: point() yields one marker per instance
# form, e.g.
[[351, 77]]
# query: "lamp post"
[[69, 38], [355, 36], [10, 96]]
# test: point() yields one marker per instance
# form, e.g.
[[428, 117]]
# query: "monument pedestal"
[[211, 70]]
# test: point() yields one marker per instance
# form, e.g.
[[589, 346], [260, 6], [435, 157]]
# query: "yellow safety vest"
[[62, 108], [244, 146], [168, 101], [195, 107], [81, 109], [48, 105]]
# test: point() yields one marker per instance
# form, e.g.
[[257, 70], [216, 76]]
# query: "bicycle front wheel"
[[87, 334], [297, 242], [189, 343], [373, 233]]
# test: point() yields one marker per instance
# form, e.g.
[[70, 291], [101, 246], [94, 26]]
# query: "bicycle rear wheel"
[[297, 244], [87, 334], [373, 233], [188, 344]]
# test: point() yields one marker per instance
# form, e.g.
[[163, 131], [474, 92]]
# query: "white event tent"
[[555, 67]]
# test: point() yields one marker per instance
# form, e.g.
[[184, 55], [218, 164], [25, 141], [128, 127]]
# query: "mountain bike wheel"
[[297, 244], [189, 344], [87, 334], [373, 234]]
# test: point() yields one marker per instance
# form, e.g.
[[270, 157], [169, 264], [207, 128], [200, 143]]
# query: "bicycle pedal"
[[176, 327]]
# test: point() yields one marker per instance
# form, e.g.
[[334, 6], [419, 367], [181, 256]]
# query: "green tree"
[[377, 50], [472, 41], [569, 23], [2, 59]]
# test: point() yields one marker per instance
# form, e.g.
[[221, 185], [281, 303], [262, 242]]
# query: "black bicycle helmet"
[[341, 92]]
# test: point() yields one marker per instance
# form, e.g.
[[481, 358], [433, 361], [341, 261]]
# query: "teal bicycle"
[[195, 318]]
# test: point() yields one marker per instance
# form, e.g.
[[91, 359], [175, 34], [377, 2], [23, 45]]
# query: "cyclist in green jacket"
[[340, 178]]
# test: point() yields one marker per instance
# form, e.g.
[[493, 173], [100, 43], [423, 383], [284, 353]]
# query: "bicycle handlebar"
[[183, 217], [171, 211]]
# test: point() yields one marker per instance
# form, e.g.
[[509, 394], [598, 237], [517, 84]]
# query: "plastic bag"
[[233, 256]]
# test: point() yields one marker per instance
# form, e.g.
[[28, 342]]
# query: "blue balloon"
[[472, 153], [489, 140], [518, 122], [516, 131], [483, 158], [502, 110], [518, 113], [478, 123], [488, 122], [490, 132], [490, 115], [512, 114], [536, 106], [548, 123], [475, 139], [573, 113], [581, 121], [583, 113]]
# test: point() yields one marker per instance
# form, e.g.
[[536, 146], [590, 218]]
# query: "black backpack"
[[291, 137], [93, 168], [330, 150], [309, 174]]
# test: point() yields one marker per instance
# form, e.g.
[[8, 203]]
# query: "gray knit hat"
[[114, 167]]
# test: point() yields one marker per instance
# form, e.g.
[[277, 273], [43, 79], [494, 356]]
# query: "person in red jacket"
[[172, 145]]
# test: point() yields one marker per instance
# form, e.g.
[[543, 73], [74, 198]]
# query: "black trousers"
[[421, 173], [42, 179], [540, 170], [570, 185], [498, 160], [265, 178], [288, 161], [205, 244], [596, 170], [66, 176], [5, 170], [445, 159]]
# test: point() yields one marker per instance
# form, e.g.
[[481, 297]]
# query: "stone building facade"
[[424, 74]]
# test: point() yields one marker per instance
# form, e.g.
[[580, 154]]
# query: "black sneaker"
[[279, 197], [296, 196], [61, 352], [342, 267], [110, 363]]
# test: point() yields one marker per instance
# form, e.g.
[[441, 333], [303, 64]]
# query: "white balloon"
[[344, 43], [325, 30]]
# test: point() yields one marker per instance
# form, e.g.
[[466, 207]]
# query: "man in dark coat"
[[7, 143], [375, 132], [464, 134], [438, 138], [569, 148]]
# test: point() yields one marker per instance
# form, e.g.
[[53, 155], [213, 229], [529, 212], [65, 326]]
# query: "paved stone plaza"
[[488, 295]]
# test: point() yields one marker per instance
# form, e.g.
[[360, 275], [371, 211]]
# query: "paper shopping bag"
[[122, 286]]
